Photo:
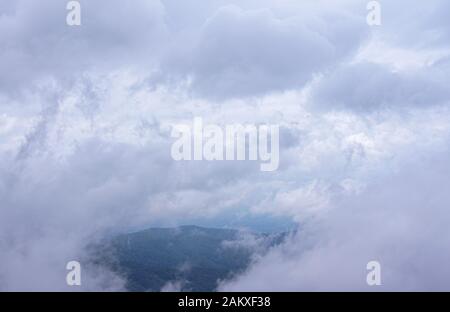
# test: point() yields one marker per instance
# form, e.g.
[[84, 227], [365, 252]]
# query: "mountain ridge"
[[192, 257]]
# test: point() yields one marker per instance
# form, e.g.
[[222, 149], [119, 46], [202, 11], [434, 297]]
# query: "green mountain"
[[193, 257]]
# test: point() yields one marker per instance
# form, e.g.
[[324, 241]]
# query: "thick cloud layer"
[[263, 52], [371, 86], [86, 115], [400, 220]]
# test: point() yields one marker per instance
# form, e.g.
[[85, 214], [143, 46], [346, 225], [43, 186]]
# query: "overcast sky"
[[364, 115]]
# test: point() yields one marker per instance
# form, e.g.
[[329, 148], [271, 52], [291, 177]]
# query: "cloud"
[[78, 174], [399, 220], [368, 86], [86, 114], [37, 44], [264, 53], [423, 26], [175, 286]]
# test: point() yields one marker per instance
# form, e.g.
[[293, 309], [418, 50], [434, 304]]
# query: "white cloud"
[[399, 221], [85, 119]]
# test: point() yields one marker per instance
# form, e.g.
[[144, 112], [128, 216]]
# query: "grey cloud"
[[368, 86], [85, 148], [250, 52], [37, 44], [423, 25]]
